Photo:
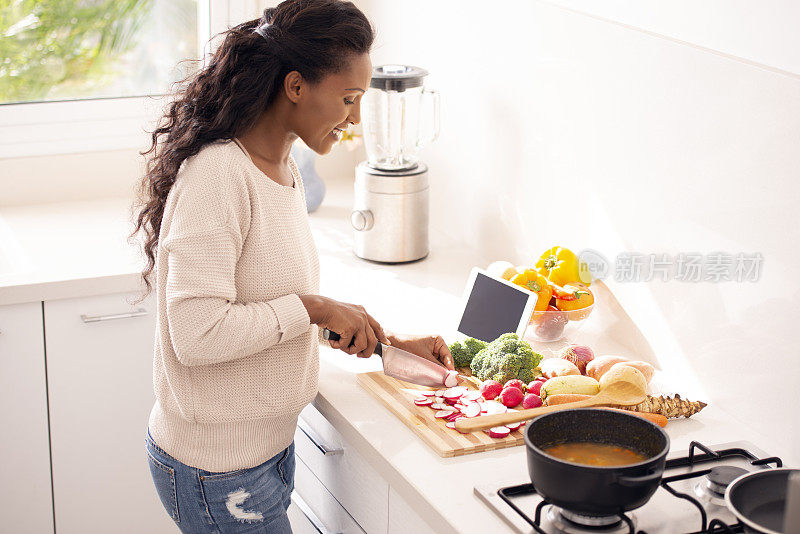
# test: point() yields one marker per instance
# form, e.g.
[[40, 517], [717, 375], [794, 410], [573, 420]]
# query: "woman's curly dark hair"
[[243, 77]]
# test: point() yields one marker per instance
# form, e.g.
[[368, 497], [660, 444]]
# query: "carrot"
[[563, 398], [656, 418]]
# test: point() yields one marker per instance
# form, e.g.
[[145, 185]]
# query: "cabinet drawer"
[[99, 369], [343, 471], [300, 521], [318, 506]]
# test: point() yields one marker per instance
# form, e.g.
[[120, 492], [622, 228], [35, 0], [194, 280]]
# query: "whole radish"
[[515, 383], [535, 387], [490, 389], [531, 401], [511, 396]]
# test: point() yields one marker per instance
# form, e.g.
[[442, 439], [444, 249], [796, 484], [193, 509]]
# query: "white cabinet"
[[319, 507], [26, 502], [351, 480], [338, 491], [99, 372]]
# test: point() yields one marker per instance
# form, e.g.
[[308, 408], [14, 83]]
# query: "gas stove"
[[690, 499]]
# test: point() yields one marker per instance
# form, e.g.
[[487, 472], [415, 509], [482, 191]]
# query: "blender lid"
[[397, 77]]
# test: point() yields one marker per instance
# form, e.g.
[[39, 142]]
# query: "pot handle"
[[639, 481]]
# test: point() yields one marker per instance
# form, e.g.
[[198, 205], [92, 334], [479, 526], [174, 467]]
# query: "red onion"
[[580, 355]]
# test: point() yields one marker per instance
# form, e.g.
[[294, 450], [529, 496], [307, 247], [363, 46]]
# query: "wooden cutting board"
[[399, 396]]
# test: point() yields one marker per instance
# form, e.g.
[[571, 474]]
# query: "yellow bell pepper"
[[561, 266], [531, 280]]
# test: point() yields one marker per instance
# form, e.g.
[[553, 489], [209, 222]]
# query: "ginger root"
[[668, 406]]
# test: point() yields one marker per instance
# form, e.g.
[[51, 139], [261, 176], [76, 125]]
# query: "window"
[[80, 75], [78, 49]]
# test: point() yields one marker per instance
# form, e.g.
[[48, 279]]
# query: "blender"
[[390, 212]]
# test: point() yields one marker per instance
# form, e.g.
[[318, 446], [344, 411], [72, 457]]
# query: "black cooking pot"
[[594, 490]]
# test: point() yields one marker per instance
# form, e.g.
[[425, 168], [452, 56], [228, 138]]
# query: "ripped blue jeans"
[[241, 501]]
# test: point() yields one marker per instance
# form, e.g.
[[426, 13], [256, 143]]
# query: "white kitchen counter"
[[78, 249], [66, 250]]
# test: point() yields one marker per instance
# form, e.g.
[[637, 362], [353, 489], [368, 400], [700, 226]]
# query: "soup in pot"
[[600, 454]]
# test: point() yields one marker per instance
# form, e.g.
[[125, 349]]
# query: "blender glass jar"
[[400, 117]]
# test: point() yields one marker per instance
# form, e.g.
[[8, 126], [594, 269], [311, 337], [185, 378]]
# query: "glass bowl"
[[549, 325]]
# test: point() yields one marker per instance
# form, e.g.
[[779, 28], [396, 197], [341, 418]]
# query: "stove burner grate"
[[536, 522], [716, 526]]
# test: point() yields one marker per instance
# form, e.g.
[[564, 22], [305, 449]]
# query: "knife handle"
[[333, 336]]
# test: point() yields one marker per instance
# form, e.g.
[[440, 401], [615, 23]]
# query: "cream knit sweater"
[[236, 357]]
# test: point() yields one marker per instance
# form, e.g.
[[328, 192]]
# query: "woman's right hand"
[[359, 332]]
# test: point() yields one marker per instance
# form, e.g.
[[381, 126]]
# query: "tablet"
[[493, 306]]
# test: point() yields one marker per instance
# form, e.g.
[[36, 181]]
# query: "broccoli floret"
[[474, 346], [505, 358], [461, 357], [463, 353], [477, 363]]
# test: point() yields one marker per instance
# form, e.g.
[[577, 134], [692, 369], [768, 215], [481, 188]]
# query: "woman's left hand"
[[431, 348]]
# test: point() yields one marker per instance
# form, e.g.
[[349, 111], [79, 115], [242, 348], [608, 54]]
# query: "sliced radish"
[[454, 393], [499, 432], [450, 424], [423, 401], [453, 416], [473, 410], [451, 379], [441, 414], [426, 393], [441, 406], [440, 392], [513, 426], [451, 402], [493, 407], [471, 396]]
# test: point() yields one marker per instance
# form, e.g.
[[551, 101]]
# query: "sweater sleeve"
[[206, 323]]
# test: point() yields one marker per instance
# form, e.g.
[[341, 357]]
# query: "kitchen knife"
[[404, 365]]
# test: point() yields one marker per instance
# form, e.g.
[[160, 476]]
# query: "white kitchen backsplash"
[[559, 128]]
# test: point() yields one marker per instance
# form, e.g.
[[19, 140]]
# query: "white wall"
[[560, 128], [764, 33]]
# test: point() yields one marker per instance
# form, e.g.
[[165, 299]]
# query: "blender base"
[[390, 214]]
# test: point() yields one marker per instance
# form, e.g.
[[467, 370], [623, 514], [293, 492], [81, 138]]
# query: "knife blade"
[[404, 365]]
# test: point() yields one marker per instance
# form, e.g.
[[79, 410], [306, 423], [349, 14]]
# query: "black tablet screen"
[[492, 309]]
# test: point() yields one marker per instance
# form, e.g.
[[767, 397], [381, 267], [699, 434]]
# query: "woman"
[[227, 233]]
